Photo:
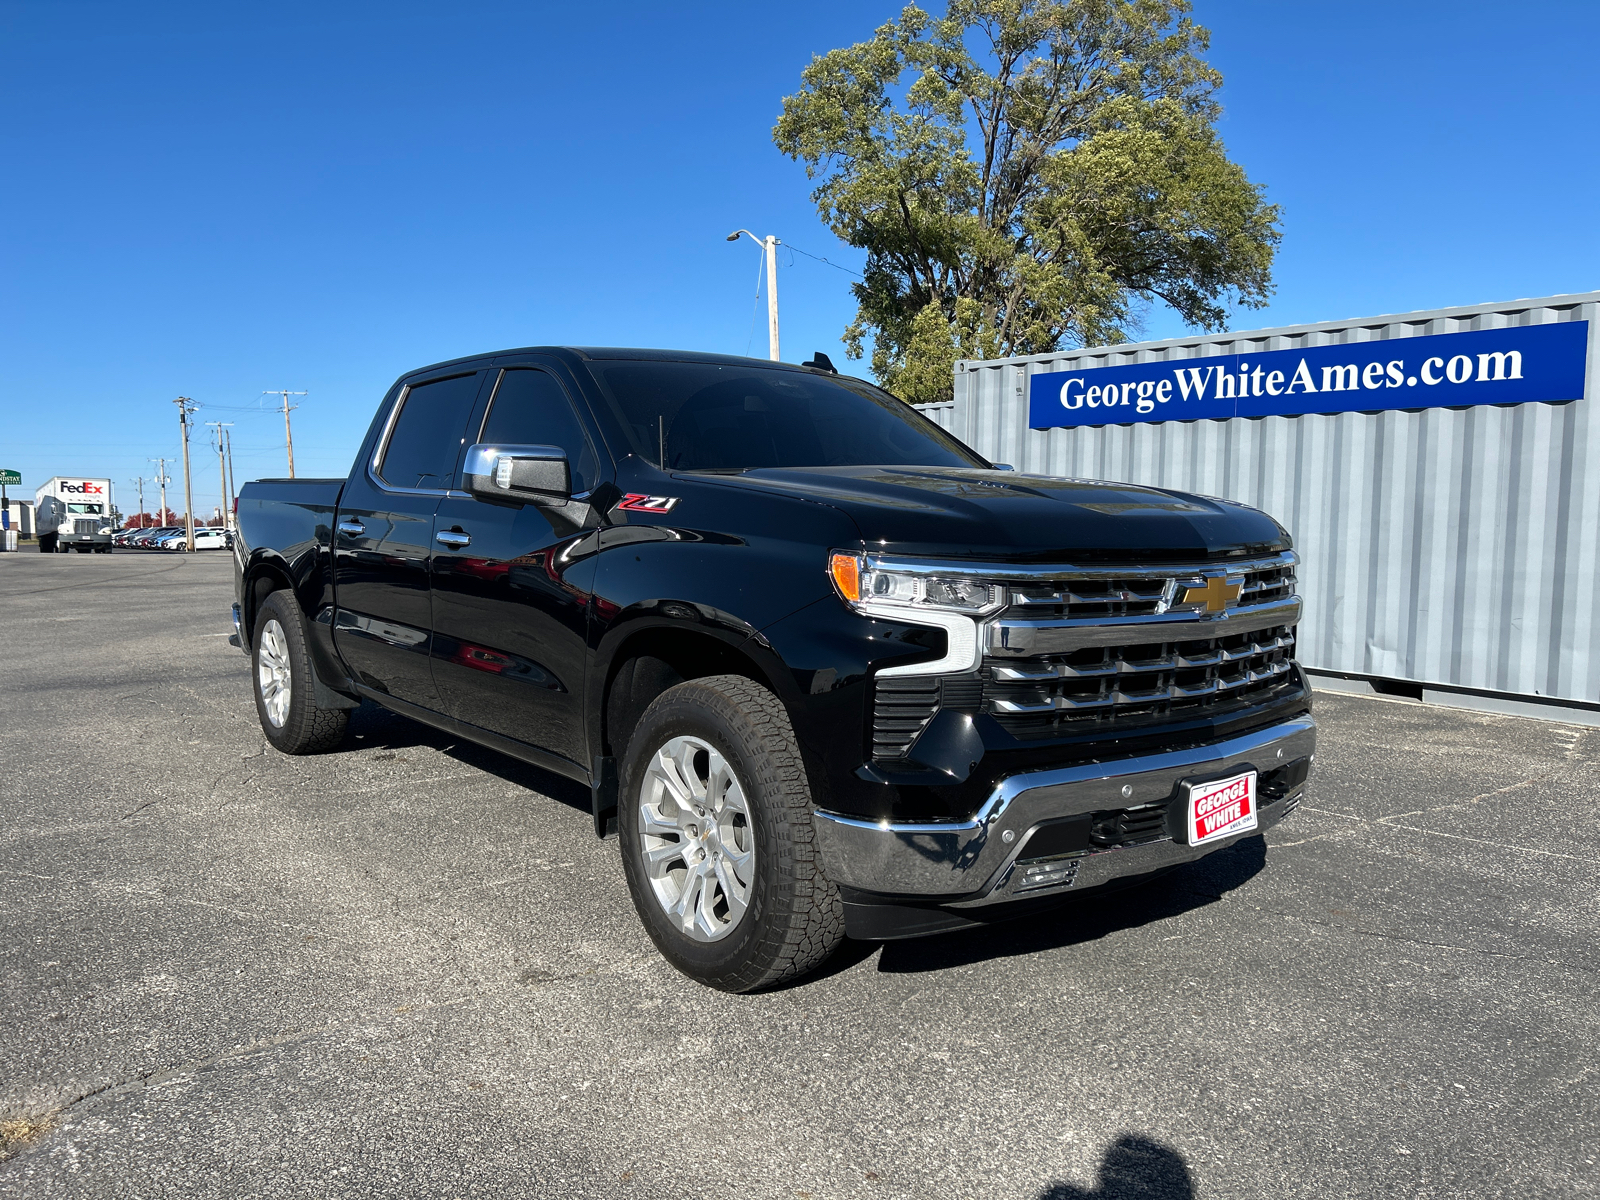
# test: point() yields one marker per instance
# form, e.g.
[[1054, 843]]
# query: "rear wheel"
[[285, 692], [715, 825]]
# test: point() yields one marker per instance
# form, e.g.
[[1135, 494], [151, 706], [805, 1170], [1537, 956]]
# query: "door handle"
[[453, 538], [352, 528]]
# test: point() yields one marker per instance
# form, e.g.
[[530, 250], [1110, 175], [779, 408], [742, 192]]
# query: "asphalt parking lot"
[[408, 969]]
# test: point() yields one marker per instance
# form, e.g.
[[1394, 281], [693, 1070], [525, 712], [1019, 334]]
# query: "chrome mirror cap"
[[501, 472]]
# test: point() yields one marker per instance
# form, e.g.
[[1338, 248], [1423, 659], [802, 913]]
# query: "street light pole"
[[770, 244]]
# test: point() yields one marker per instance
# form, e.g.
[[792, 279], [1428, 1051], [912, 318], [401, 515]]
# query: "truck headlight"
[[868, 583]]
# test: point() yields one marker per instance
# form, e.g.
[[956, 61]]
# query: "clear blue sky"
[[214, 199]]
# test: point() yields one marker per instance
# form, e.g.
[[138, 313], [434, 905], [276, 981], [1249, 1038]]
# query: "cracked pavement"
[[408, 968]]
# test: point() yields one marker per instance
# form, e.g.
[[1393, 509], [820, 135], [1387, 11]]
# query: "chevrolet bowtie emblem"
[[1218, 593]]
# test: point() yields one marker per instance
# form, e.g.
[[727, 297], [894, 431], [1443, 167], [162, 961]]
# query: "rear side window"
[[426, 440], [531, 408]]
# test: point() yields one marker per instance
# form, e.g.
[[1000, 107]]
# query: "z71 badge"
[[634, 502]]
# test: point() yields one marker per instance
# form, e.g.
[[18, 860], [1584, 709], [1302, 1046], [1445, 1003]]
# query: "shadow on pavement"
[[1085, 918], [1133, 1168], [373, 727]]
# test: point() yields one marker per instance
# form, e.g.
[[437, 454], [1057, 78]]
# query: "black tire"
[[794, 918], [305, 728], [47, 543]]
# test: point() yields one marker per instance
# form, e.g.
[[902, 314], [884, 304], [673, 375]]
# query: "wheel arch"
[[268, 573], [265, 575], [652, 657]]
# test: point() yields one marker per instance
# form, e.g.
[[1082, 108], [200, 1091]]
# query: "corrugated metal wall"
[[1455, 547]]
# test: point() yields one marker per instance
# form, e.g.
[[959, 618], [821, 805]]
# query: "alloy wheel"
[[697, 842], [272, 673]]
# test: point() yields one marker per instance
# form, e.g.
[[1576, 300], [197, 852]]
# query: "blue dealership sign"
[[1493, 366]]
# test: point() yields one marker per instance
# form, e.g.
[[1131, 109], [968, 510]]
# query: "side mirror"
[[537, 473], [1002, 466]]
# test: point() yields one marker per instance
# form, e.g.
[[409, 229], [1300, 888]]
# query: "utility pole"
[[222, 468], [140, 482], [185, 407], [163, 479], [288, 437], [231, 518], [770, 244], [772, 298]]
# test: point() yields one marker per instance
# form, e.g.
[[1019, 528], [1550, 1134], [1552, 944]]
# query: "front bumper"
[[985, 860]]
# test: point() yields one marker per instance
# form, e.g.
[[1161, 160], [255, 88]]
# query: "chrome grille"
[[1148, 592], [1137, 683]]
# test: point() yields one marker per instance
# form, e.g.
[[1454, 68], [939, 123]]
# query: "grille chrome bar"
[[1049, 672], [1109, 686], [1153, 695], [1111, 606], [1023, 638], [1061, 573]]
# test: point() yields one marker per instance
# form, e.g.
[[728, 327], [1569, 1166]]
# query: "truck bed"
[[291, 515]]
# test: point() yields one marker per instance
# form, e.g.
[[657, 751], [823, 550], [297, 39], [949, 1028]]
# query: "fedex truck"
[[73, 513]]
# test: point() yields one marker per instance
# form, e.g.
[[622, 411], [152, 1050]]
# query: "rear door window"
[[426, 439]]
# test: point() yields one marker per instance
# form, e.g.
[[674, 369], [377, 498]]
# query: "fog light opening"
[[1046, 872]]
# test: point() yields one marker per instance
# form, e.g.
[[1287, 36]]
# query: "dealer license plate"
[[1221, 808]]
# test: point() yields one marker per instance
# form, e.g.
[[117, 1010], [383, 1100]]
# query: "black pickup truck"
[[825, 670]]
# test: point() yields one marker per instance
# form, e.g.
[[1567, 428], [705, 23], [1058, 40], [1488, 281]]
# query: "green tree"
[[1026, 175]]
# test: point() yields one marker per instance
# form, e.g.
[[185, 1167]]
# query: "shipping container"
[[1449, 550]]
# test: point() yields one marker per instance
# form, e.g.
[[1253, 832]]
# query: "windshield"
[[711, 417]]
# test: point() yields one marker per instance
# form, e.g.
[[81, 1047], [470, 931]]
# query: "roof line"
[[1572, 300]]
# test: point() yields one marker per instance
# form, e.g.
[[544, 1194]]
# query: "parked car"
[[825, 669], [149, 537], [204, 539]]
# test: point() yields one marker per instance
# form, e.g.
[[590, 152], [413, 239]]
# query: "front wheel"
[[715, 825], [285, 693]]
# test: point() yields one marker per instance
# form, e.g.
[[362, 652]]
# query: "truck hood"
[[953, 512]]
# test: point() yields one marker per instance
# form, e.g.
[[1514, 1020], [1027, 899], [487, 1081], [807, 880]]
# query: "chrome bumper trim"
[[969, 861]]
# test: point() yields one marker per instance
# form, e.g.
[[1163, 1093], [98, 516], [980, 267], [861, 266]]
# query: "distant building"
[[18, 515]]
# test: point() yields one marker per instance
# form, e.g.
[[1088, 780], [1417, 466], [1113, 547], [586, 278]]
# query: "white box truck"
[[73, 513]]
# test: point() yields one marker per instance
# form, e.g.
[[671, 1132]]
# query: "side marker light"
[[846, 572]]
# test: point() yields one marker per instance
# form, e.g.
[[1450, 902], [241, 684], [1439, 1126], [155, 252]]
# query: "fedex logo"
[[81, 489]]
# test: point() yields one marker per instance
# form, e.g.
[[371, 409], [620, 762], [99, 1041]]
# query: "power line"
[[820, 259]]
